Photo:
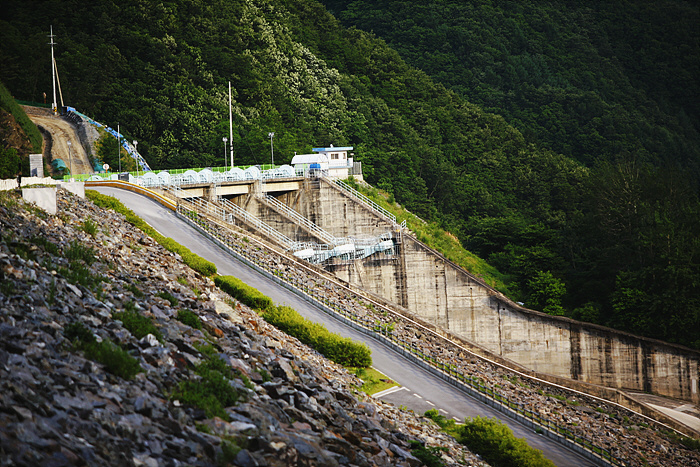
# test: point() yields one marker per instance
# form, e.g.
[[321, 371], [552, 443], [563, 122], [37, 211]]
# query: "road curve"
[[420, 389]]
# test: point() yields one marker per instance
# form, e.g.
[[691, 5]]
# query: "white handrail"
[[286, 210], [365, 200]]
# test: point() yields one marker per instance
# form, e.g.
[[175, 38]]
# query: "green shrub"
[[339, 349], [690, 443], [115, 359], [89, 227], [189, 318], [497, 444], [137, 324], [229, 451], [199, 264], [78, 333], [76, 251], [492, 440], [134, 290], [430, 456], [213, 391], [169, 297], [9, 163], [243, 292], [48, 245], [8, 103], [78, 273]]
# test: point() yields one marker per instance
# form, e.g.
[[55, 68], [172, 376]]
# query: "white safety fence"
[[11, 184]]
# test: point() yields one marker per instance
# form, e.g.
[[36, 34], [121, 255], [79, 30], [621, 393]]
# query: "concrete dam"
[[412, 276]]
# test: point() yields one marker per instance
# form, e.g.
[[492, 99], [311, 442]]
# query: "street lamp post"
[[225, 140], [136, 155], [272, 148], [70, 160]]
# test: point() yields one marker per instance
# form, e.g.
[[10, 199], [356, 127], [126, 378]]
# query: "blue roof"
[[332, 149]]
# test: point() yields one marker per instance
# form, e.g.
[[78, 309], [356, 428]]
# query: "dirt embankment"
[[12, 135], [61, 133]]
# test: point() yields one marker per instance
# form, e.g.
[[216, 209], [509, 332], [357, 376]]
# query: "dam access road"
[[420, 390]]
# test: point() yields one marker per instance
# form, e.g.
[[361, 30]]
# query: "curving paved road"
[[420, 390]]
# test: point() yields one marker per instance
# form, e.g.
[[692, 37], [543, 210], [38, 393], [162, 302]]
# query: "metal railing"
[[374, 206], [227, 210], [470, 384], [298, 218]]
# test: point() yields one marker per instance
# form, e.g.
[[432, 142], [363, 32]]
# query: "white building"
[[339, 164], [332, 161]]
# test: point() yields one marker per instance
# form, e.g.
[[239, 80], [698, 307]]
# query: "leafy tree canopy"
[[528, 131]]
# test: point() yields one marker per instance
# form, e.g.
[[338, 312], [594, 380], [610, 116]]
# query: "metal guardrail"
[[470, 384], [374, 206], [228, 210]]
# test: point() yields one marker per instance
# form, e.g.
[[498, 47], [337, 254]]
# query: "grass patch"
[[429, 456], [138, 325], [169, 297], [199, 264], [229, 451], [568, 401], [22, 250], [89, 227], [80, 257], [212, 391], [48, 246], [334, 347], [690, 443], [115, 359], [189, 318], [76, 251], [8, 103], [78, 273], [135, 291], [374, 380], [243, 292]]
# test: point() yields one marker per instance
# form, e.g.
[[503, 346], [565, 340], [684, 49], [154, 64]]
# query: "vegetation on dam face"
[[560, 143]]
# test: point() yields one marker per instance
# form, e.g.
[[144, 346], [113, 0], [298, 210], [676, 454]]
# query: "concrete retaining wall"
[[447, 296], [45, 198], [442, 293]]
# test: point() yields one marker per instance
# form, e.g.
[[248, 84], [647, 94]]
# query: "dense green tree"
[[505, 125]]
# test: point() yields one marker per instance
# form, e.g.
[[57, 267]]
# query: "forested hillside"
[[593, 80], [610, 236]]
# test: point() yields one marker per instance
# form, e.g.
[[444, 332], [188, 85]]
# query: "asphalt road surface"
[[420, 390]]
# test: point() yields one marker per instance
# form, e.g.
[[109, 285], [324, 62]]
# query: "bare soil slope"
[[61, 132]]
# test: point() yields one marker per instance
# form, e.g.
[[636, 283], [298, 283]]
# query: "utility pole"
[[230, 122], [53, 71]]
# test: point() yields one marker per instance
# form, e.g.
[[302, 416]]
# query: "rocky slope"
[[77, 270]]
